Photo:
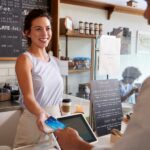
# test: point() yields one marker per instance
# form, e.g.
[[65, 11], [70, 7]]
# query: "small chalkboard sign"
[[12, 13], [105, 97]]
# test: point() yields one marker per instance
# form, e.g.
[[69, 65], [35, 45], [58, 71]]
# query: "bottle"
[[87, 31], [96, 27], [100, 28], [66, 107], [81, 27], [91, 26]]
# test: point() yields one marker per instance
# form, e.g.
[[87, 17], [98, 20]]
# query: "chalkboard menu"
[[105, 97], [12, 13]]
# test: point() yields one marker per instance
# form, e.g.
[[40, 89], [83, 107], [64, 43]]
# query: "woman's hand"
[[134, 90], [41, 119]]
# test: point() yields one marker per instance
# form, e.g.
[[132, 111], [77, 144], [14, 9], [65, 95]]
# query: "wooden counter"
[[9, 106]]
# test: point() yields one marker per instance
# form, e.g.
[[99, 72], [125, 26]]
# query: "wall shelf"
[[78, 35], [74, 34], [72, 71], [110, 8]]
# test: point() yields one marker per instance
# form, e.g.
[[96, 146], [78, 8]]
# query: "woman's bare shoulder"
[[23, 60], [22, 57]]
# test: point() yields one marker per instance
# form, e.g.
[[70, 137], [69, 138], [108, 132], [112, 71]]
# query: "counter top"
[[103, 142], [14, 105], [9, 106]]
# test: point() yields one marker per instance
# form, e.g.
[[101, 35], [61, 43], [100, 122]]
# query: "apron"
[[28, 132]]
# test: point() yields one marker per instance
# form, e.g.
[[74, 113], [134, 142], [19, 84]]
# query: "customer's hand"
[[40, 121], [69, 139]]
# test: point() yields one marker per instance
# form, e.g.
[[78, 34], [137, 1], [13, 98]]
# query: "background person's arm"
[[125, 95], [134, 90]]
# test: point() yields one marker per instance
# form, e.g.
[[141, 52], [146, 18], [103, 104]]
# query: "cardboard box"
[[132, 3], [66, 25]]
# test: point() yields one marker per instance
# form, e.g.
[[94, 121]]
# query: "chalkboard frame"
[[103, 120], [8, 58]]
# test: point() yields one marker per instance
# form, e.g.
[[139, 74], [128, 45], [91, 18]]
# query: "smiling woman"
[[40, 33], [39, 79]]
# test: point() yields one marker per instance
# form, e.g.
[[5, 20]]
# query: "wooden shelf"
[[110, 8], [78, 35], [71, 71]]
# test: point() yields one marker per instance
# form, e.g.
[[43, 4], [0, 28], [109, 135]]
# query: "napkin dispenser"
[[115, 135]]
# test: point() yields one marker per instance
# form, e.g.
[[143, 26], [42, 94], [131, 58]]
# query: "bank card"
[[54, 124]]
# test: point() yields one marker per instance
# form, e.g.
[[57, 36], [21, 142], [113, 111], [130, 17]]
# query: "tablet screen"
[[80, 124]]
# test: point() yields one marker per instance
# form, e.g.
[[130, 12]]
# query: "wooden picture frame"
[[143, 42]]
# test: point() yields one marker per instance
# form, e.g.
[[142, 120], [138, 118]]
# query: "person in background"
[[127, 89], [137, 134], [39, 79]]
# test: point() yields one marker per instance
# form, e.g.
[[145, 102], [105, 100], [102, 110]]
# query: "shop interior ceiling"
[[141, 3]]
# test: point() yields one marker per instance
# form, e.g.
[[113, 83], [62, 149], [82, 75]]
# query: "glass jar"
[[86, 25], [100, 28], [87, 31], [81, 27], [91, 25], [96, 27]]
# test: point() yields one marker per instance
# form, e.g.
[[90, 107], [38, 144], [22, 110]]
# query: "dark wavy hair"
[[131, 73], [33, 14]]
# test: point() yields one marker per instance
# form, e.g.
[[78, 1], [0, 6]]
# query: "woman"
[[130, 74], [39, 79]]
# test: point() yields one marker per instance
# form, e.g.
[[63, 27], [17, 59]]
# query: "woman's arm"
[[24, 76], [123, 98]]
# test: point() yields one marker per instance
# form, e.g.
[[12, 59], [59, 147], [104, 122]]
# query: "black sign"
[[12, 13], [105, 96]]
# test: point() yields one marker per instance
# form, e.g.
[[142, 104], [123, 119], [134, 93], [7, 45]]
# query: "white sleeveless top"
[[47, 81]]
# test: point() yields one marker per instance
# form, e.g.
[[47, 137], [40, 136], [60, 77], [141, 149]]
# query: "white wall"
[[141, 3], [7, 71]]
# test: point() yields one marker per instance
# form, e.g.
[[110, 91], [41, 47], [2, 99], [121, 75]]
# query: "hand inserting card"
[[53, 124]]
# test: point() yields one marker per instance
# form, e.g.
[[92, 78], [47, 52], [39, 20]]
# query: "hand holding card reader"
[[79, 123], [75, 121]]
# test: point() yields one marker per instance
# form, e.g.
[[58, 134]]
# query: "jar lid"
[[67, 100]]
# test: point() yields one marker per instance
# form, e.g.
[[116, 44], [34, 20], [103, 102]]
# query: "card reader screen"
[[78, 123]]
